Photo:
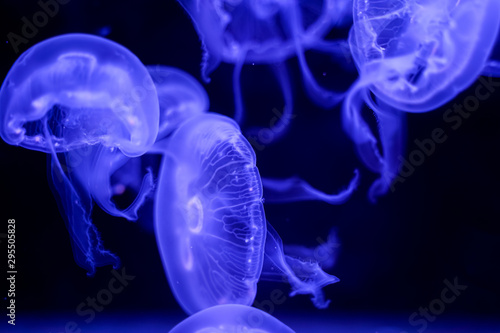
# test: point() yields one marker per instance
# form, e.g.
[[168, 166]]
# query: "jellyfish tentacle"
[[391, 130], [338, 50], [296, 189], [281, 126], [239, 109], [76, 202], [325, 253], [318, 94], [321, 96], [359, 131], [102, 194], [304, 276]]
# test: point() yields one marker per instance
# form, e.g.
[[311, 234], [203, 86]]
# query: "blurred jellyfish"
[[231, 318], [210, 223], [180, 96], [412, 56], [90, 104], [268, 32]]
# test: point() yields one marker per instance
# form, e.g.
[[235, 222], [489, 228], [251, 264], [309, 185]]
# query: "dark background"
[[441, 223]]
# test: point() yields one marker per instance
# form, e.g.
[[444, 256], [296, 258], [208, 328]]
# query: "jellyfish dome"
[[91, 104], [231, 318], [180, 96], [418, 55], [412, 56], [102, 94], [210, 224], [209, 215]]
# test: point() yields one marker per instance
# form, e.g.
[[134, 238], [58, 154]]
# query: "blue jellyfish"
[[210, 224], [412, 56], [90, 104], [180, 96], [267, 32], [231, 318]]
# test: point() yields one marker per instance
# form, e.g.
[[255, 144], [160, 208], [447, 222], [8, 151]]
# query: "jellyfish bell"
[[91, 104], [209, 215], [210, 225], [412, 56], [231, 318], [74, 76], [180, 96], [418, 55]]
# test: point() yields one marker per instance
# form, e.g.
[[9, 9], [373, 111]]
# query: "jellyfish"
[[210, 225], [268, 32], [180, 96], [231, 318], [412, 56], [91, 105]]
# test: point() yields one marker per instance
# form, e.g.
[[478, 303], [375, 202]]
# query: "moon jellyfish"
[[267, 32], [180, 96], [231, 318], [412, 56], [91, 104], [210, 223]]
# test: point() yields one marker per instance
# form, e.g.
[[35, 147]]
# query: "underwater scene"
[[250, 166]]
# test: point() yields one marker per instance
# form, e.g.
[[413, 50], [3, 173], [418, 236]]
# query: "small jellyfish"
[[91, 104], [267, 32], [210, 224], [412, 56], [231, 318], [180, 96]]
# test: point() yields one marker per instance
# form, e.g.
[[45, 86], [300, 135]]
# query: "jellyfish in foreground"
[[91, 104], [231, 318], [268, 32], [412, 56], [210, 224]]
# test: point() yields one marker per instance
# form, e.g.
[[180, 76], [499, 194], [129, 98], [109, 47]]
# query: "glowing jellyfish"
[[267, 32], [231, 318], [90, 104], [180, 96], [412, 56], [210, 223]]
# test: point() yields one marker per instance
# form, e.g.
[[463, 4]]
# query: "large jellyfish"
[[210, 224], [231, 318], [412, 56], [91, 104], [268, 32]]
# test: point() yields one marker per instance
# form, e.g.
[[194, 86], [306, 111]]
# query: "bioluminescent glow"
[[267, 32], [413, 56], [90, 104], [180, 95], [231, 318], [210, 222]]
